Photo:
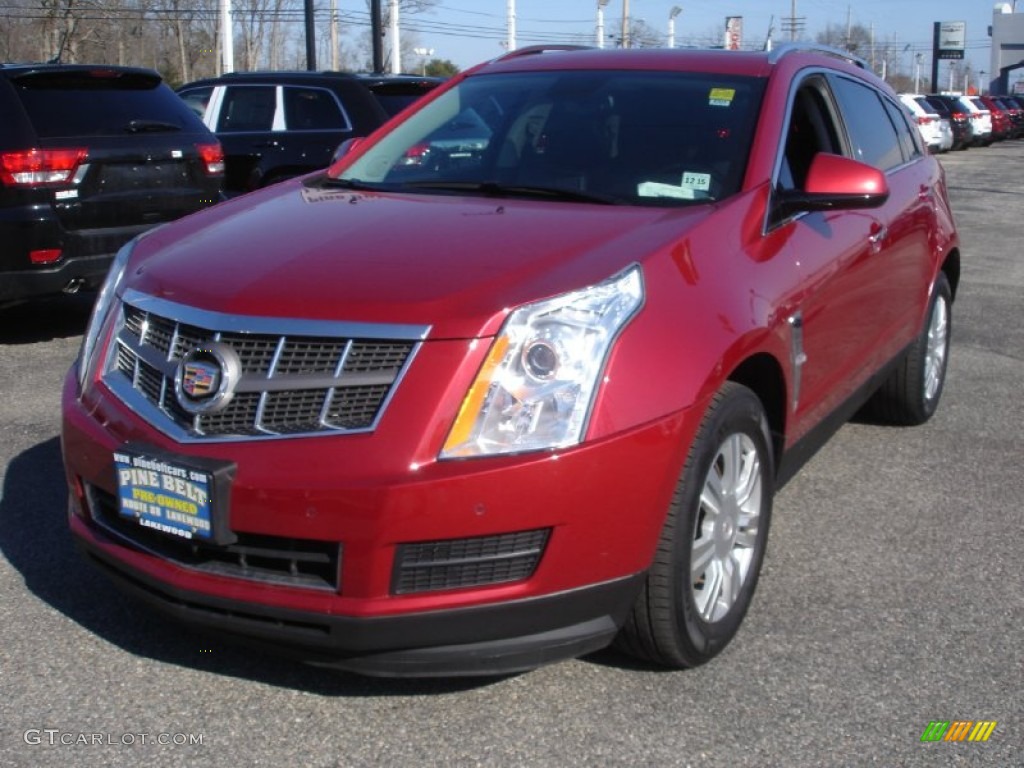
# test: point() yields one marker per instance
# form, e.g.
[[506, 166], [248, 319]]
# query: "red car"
[[1002, 124], [486, 412]]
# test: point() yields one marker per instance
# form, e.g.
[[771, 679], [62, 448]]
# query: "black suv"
[[91, 156], [276, 125], [953, 110]]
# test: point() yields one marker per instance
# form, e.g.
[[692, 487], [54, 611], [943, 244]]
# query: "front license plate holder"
[[178, 497]]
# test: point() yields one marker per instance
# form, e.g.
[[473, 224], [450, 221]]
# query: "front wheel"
[[709, 555]]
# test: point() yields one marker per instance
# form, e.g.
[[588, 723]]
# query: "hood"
[[456, 264]]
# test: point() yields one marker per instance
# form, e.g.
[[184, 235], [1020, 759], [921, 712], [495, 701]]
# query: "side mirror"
[[834, 183], [344, 148]]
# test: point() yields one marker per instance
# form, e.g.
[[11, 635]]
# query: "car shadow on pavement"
[[41, 320], [35, 540]]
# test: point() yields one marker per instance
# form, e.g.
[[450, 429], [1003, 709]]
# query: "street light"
[[425, 53], [676, 10]]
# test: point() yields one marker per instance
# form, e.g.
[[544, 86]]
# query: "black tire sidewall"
[[940, 291], [738, 412]]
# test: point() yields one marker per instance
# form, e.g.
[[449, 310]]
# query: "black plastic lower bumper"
[[71, 275], [488, 640]]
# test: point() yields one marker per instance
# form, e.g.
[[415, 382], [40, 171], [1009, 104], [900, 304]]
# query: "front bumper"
[[485, 640], [603, 504]]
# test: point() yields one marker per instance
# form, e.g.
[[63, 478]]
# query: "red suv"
[[495, 409]]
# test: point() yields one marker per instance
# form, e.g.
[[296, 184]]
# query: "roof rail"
[[828, 50], [534, 49]]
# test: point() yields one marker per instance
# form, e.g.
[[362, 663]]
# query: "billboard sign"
[[950, 39], [733, 32]]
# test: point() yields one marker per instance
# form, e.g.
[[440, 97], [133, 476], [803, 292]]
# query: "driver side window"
[[811, 130]]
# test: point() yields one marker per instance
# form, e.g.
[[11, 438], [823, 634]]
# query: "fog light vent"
[[458, 563]]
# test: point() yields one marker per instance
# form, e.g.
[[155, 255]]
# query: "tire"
[[911, 394], [683, 619]]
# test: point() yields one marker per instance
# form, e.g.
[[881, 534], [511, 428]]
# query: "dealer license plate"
[[164, 496]]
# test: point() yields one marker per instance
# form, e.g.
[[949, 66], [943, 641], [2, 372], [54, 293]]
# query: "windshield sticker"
[[698, 182], [721, 97], [658, 189]]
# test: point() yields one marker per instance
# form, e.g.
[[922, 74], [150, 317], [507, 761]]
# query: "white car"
[[936, 131], [981, 120]]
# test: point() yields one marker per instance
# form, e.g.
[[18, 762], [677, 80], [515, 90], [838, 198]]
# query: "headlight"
[[536, 385], [105, 300]]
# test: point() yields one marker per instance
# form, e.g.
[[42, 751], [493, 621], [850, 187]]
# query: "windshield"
[[639, 138]]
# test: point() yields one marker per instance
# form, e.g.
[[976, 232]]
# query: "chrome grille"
[[295, 379]]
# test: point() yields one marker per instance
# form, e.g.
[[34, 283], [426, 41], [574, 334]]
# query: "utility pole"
[[310, 37], [626, 24], [793, 24], [227, 48], [334, 35], [872, 46], [396, 45], [510, 10], [377, 35], [600, 22]]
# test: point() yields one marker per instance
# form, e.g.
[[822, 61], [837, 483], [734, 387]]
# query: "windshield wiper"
[[150, 126], [492, 188], [331, 181]]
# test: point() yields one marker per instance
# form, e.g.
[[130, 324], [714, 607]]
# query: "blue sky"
[[470, 31]]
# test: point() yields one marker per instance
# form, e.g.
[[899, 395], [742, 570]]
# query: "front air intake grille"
[[291, 378], [457, 563], [304, 563]]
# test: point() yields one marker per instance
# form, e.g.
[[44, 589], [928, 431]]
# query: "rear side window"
[[910, 138], [938, 106], [394, 97], [923, 102], [313, 109], [197, 99], [248, 108], [871, 130], [103, 103]]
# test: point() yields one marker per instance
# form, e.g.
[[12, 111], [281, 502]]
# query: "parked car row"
[[955, 121], [91, 156], [278, 125]]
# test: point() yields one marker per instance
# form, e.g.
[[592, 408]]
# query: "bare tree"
[[856, 38], [60, 28]]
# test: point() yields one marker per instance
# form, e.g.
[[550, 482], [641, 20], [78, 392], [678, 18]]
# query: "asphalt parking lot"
[[892, 596]]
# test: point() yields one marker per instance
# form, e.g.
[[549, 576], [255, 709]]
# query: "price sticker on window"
[[698, 182]]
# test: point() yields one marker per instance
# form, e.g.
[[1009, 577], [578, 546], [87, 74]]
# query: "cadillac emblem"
[[206, 377]]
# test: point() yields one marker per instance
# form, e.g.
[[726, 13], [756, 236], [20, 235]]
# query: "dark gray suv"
[[277, 125], [91, 156]]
